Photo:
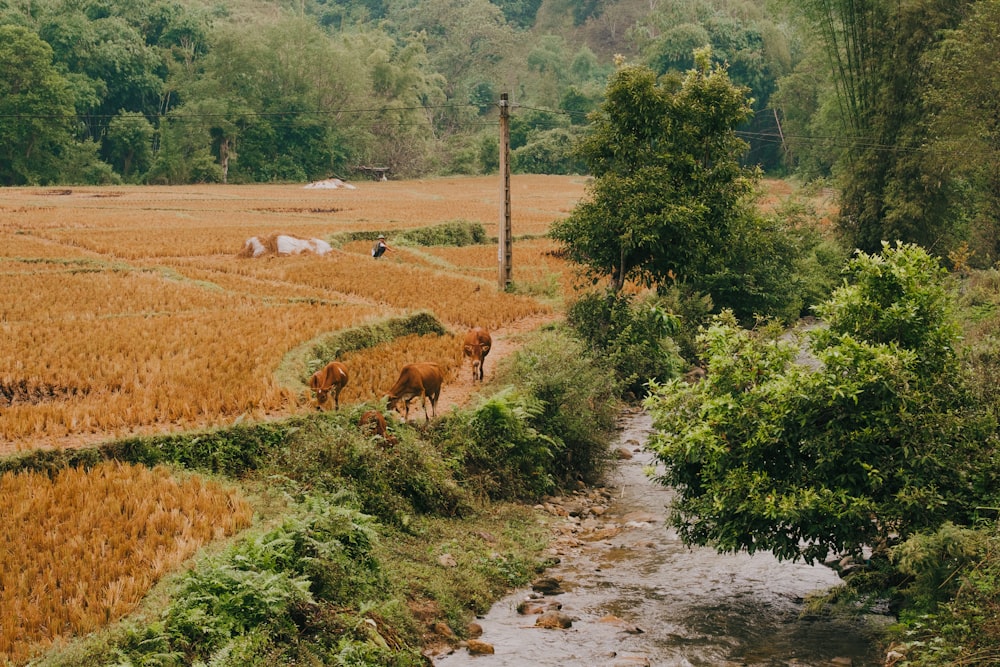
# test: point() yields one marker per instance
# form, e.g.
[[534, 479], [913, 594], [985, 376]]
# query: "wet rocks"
[[622, 624], [554, 620], [547, 585], [534, 605], [477, 647]]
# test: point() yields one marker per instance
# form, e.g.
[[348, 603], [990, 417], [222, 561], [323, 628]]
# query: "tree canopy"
[[670, 200], [36, 109], [876, 438]]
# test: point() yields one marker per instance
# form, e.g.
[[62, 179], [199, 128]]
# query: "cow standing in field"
[[476, 347], [329, 379], [423, 380]]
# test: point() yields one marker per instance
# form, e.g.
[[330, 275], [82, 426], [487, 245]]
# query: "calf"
[[423, 380], [476, 347], [373, 423], [329, 379]]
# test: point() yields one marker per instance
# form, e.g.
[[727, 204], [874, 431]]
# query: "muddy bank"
[[627, 592]]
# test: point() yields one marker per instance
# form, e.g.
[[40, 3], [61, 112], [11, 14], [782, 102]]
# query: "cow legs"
[[423, 404]]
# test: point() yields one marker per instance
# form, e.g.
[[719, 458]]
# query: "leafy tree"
[[875, 49], [547, 152], [668, 183], [36, 109], [670, 200], [519, 13], [876, 438], [130, 143], [965, 85]]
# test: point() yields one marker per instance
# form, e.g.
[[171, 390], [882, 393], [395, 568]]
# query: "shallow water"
[[643, 598]]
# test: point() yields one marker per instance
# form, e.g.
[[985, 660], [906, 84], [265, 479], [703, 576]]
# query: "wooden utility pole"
[[506, 245]]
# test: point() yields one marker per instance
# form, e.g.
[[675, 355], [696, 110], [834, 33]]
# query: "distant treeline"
[[165, 91]]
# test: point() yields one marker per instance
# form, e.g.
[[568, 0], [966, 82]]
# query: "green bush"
[[328, 453], [880, 439], [633, 335], [579, 397], [509, 457], [963, 630], [234, 451], [456, 233], [547, 428]]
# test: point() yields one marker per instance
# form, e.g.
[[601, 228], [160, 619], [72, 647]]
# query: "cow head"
[[477, 353], [321, 396]]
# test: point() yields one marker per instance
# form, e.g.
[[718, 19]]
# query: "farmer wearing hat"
[[380, 247]]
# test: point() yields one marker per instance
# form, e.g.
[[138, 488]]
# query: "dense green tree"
[[467, 41], [877, 438], [548, 152], [36, 109], [668, 183], [110, 51], [670, 200], [129, 144], [890, 189], [965, 78], [811, 130], [519, 13]]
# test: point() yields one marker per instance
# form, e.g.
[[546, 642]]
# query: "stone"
[[477, 647], [623, 454], [474, 630], [447, 560], [554, 620], [443, 629], [547, 585]]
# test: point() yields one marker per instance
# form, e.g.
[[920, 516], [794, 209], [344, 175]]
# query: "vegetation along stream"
[[637, 596]]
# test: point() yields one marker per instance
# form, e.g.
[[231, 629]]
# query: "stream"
[[637, 596]]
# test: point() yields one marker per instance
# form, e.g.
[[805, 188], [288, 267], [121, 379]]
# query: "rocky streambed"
[[627, 592]]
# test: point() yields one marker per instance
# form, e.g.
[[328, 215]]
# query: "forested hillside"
[[169, 91], [897, 101]]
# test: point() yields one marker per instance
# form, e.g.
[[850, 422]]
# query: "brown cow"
[[373, 423], [477, 346], [423, 380], [330, 378]]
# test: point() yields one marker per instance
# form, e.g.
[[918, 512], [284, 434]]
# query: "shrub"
[[964, 630], [633, 335], [457, 233], [546, 428], [508, 457], [329, 454]]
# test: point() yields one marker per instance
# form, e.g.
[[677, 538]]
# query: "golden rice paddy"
[[126, 309], [83, 548]]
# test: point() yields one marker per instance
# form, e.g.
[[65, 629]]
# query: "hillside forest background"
[[893, 104]]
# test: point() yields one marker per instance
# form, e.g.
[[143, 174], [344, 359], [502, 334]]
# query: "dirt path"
[[459, 391]]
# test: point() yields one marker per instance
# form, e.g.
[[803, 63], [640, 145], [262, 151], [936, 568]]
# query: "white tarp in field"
[[283, 244]]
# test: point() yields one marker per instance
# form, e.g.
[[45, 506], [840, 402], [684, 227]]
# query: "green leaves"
[[877, 439]]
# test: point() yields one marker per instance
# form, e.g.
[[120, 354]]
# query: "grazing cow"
[[330, 378], [423, 380], [477, 346], [373, 423]]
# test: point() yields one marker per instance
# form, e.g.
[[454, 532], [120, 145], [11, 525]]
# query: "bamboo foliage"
[[82, 549]]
